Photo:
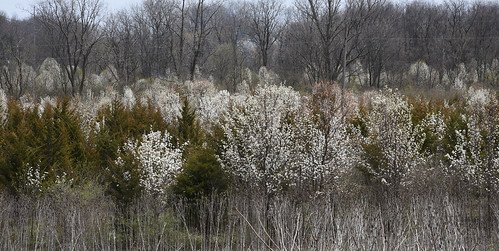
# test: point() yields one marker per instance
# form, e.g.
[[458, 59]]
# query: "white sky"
[[19, 8]]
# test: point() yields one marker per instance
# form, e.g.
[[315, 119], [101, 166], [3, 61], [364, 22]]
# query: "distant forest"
[[225, 125], [361, 43]]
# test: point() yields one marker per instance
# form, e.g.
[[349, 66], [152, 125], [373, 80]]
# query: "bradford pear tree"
[[167, 100], [49, 76], [474, 159], [158, 160], [475, 156], [392, 143], [211, 107], [260, 145], [3, 106], [327, 154], [275, 140], [128, 97], [329, 150]]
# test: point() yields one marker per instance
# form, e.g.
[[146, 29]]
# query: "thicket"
[[186, 166]]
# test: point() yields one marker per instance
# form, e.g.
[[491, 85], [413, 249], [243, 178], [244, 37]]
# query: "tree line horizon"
[[359, 43]]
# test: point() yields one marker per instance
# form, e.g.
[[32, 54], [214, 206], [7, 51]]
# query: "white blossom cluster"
[[435, 124], [326, 153], [34, 178], [476, 98], [475, 157], [128, 97], [87, 107], [27, 102], [63, 179], [167, 100], [95, 83], [198, 88], [44, 102], [261, 143], [49, 75], [211, 107], [421, 72], [463, 75], [3, 106], [159, 161], [273, 142], [391, 129]]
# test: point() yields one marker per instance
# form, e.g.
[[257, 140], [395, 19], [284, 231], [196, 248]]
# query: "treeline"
[[365, 43]]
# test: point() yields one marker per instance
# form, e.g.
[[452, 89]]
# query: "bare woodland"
[[250, 125]]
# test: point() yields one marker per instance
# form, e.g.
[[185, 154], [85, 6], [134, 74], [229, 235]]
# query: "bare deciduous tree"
[[122, 43], [266, 23], [337, 27], [75, 27], [202, 21]]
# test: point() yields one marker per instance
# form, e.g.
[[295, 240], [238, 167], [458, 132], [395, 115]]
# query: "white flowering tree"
[[34, 178], [211, 107], [475, 156], [275, 142], [433, 128], [3, 106], [158, 161], [166, 99], [393, 144], [328, 148], [260, 147], [327, 152], [49, 78], [128, 97], [95, 83]]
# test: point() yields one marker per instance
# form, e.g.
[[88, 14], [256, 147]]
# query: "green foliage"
[[359, 122], [124, 179], [16, 146], [44, 147], [50, 143], [420, 110], [63, 147], [214, 139], [454, 122], [118, 124], [188, 129], [201, 176], [373, 154]]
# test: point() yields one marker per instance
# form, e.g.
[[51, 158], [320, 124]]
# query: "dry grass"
[[427, 222]]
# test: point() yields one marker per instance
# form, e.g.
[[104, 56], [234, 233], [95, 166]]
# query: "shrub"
[[201, 175]]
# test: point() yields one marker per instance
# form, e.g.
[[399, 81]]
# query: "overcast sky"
[[19, 8]]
